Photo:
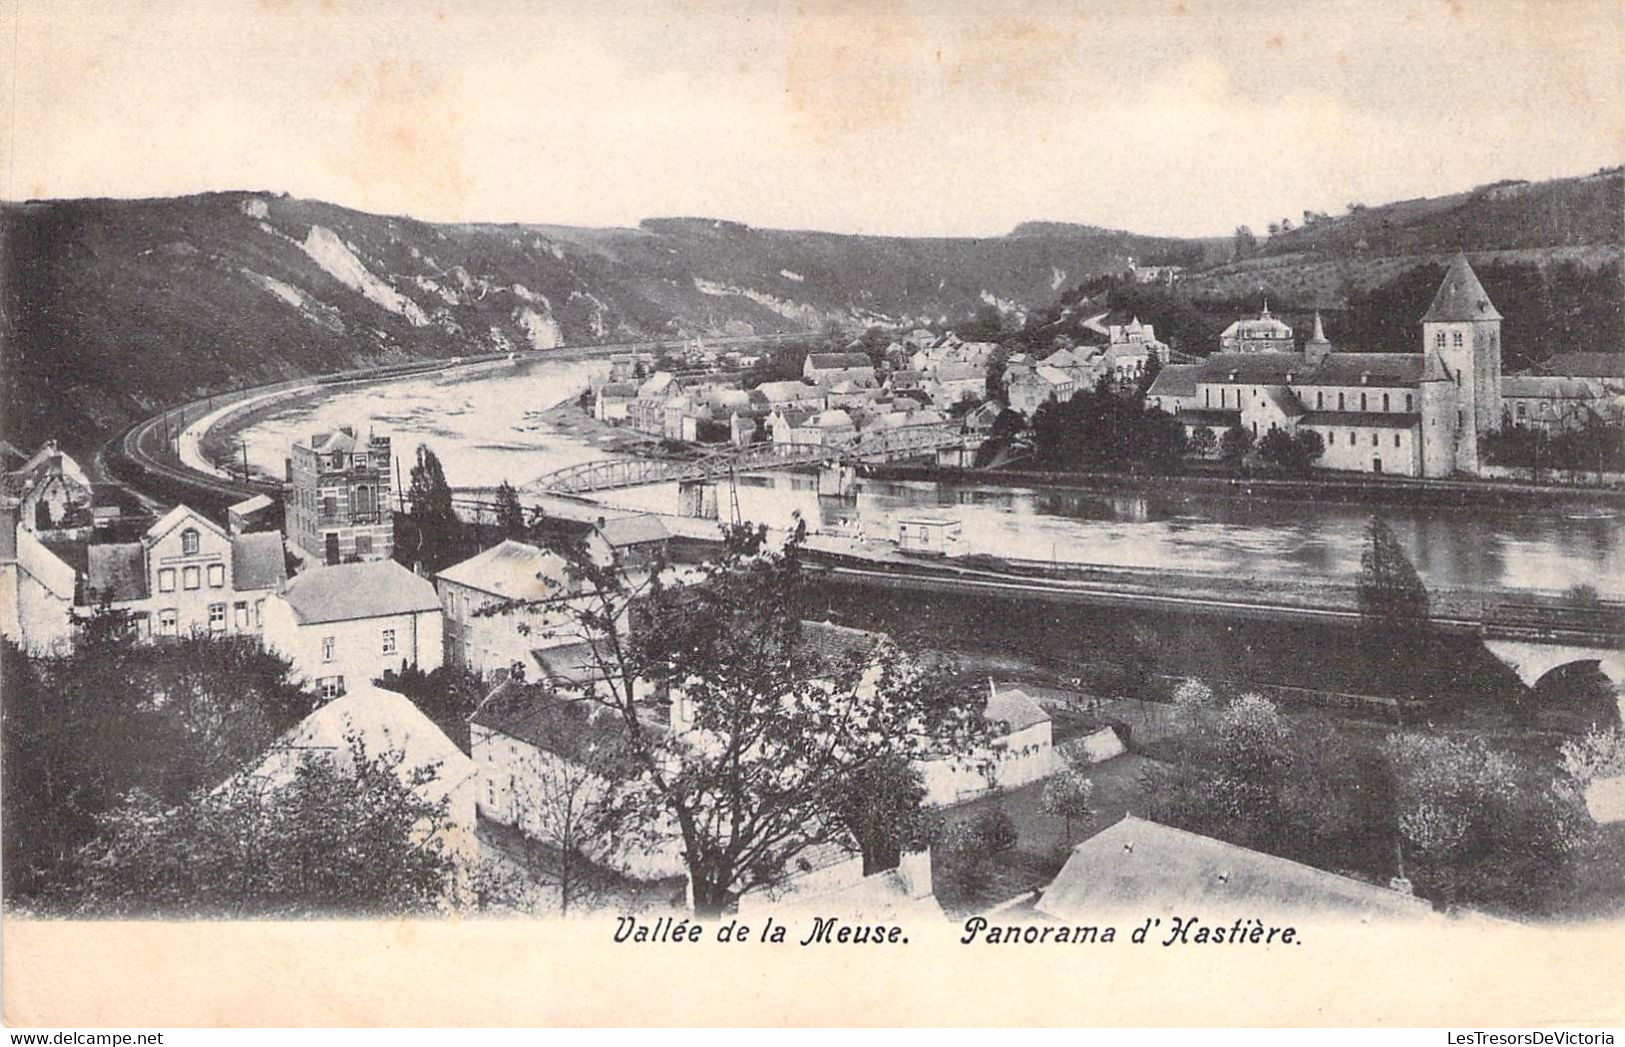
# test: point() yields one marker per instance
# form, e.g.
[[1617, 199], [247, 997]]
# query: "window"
[[1373, 439], [1351, 438], [241, 614], [189, 542], [1438, 340], [168, 622], [360, 461], [389, 641], [363, 499], [330, 505], [259, 613], [217, 618], [363, 544], [1455, 339], [217, 576], [1458, 420], [1362, 401], [330, 686], [192, 576], [1385, 401], [166, 576], [1523, 411], [328, 644], [1339, 401], [1320, 400], [1407, 401], [1396, 439]]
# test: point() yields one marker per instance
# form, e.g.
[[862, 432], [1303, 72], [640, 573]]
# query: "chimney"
[[914, 870]]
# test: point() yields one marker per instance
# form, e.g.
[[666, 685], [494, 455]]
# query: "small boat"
[[1592, 514]]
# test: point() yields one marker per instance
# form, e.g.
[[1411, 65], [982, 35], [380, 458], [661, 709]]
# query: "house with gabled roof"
[[346, 625], [187, 575], [37, 591], [502, 604]]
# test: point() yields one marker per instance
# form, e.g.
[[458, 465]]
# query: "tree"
[[432, 513], [115, 715], [881, 805], [1067, 796], [1234, 444], [353, 838], [1202, 442], [1193, 699], [1244, 244], [510, 514], [1391, 593], [448, 696], [1292, 453], [1480, 827], [772, 734]]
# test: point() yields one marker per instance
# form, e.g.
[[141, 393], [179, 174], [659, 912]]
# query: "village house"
[[522, 752], [796, 428], [1263, 334], [369, 722], [186, 575], [1030, 389], [949, 384], [36, 591], [791, 395], [346, 625], [252, 515], [1137, 340], [613, 401], [827, 369], [850, 393], [337, 498], [1019, 751], [1137, 863], [51, 493], [1555, 405], [504, 603], [633, 543], [1414, 414]]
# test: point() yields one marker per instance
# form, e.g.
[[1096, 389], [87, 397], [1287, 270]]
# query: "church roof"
[[1363, 419], [1319, 335], [1176, 380], [1460, 296], [1379, 369], [1254, 368]]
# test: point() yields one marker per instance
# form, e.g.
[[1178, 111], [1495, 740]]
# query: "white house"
[[187, 575], [381, 723], [36, 591], [614, 400], [345, 625], [504, 603], [1020, 750]]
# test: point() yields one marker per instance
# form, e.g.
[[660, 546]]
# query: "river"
[[487, 428]]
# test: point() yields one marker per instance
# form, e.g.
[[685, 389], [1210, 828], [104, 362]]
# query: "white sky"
[[884, 116]]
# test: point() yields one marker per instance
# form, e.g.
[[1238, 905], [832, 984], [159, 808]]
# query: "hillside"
[[112, 308], [1327, 259]]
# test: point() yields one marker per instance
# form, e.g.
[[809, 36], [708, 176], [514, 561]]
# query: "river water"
[[486, 428]]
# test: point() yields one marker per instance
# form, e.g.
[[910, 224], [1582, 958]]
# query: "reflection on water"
[[486, 429], [1245, 538]]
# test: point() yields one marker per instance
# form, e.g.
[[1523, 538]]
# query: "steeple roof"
[[1461, 297], [1320, 332]]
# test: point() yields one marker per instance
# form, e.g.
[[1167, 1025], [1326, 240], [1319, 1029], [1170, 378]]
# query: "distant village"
[[317, 581]]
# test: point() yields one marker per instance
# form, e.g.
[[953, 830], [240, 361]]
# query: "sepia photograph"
[[1024, 513]]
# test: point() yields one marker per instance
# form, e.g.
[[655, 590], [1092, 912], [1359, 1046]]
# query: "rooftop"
[[1460, 296], [258, 561], [1137, 864], [1015, 708], [348, 591], [636, 529], [512, 570]]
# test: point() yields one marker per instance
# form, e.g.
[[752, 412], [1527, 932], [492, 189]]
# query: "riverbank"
[[1360, 489]]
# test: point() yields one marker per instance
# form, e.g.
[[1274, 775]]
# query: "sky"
[[951, 117]]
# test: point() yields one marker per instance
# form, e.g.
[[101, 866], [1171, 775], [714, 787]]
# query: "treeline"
[[1567, 307]]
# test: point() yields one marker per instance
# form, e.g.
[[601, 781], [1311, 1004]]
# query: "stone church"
[[1414, 414]]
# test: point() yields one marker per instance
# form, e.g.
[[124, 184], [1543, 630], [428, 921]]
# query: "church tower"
[[1463, 329]]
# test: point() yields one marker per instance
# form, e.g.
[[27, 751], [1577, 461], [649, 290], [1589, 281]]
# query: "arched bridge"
[[611, 473]]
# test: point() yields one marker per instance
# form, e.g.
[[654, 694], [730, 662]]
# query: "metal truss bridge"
[[611, 473]]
